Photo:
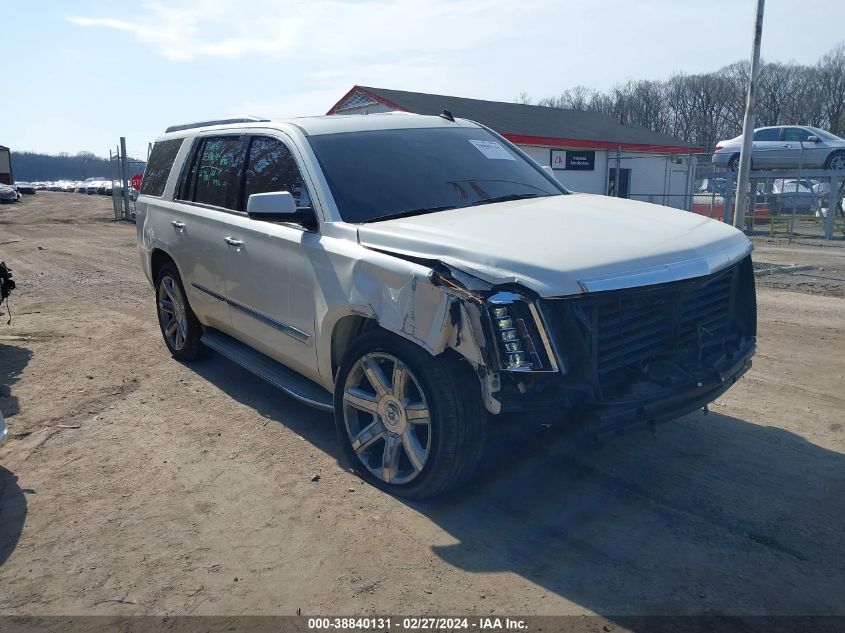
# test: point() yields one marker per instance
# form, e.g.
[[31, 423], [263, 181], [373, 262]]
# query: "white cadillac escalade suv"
[[421, 276]]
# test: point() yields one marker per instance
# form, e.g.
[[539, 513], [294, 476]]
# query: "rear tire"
[[733, 163], [835, 161], [420, 431], [180, 327]]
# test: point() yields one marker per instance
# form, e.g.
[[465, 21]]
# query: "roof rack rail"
[[190, 126]]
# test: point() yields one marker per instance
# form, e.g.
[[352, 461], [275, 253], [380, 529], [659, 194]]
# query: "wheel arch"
[[158, 258], [733, 161], [345, 332]]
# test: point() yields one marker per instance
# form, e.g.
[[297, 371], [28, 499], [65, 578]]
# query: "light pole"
[[748, 122]]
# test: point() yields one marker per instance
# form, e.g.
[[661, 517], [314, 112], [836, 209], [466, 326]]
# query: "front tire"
[[179, 325], [835, 161], [409, 423]]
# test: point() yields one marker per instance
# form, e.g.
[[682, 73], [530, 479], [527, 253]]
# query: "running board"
[[281, 377]]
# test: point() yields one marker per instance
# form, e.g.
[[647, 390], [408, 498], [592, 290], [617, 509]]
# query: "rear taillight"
[[718, 147]]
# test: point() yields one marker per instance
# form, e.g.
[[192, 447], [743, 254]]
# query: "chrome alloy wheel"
[[838, 162], [387, 418], [171, 312]]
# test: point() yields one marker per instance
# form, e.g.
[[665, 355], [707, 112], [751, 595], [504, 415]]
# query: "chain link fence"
[[779, 201], [806, 202], [123, 170]]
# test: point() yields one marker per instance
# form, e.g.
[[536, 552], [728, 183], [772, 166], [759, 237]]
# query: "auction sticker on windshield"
[[491, 149]]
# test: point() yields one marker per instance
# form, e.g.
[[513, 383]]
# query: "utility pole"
[[124, 176], [748, 122]]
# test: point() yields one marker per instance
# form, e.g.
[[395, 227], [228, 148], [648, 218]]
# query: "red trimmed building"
[[581, 147]]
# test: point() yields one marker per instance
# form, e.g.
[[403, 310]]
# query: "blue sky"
[[86, 72]]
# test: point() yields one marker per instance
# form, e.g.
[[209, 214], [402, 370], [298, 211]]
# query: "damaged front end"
[[500, 330], [612, 358]]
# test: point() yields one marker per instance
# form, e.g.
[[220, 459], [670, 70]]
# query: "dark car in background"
[[788, 195], [25, 187]]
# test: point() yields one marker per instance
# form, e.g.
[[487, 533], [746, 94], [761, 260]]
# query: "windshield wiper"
[[409, 213], [507, 198]]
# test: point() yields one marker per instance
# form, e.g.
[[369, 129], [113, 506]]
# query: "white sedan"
[[785, 147]]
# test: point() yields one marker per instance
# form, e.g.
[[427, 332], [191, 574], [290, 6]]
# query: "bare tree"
[[705, 108], [831, 79]]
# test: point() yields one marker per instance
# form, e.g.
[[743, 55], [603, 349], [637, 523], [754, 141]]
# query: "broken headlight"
[[520, 337]]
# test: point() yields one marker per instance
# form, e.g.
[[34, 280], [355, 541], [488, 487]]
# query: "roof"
[[317, 125], [523, 124]]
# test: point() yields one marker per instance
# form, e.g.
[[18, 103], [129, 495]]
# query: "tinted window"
[[770, 134], [381, 173], [158, 167], [795, 134], [271, 167], [217, 171]]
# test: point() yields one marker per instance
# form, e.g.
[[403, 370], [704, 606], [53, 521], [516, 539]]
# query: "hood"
[[568, 244]]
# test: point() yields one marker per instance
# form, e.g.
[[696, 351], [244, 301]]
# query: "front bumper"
[[721, 158], [641, 355], [645, 405], [610, 418]]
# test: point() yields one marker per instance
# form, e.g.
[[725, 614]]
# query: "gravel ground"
[[819, 264], [134, 484]]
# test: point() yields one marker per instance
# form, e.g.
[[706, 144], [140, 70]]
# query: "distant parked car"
[[780, 147], [8, 194], [789, 195], [25, 187], [95, 185], [822, 191], [712, 185]]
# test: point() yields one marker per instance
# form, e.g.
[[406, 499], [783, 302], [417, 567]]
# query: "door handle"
[[786, 145], [233, 242], [179, 226]]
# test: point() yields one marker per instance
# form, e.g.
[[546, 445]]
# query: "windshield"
[[824, 134], [379, 174], [789, 186]]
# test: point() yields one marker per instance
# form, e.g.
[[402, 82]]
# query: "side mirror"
[[278, 206], [812, 139]]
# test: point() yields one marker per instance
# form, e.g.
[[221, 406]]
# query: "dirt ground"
[[187, 489]]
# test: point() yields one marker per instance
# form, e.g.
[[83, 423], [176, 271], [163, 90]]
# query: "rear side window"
[[158, 166], [771, 134], [272, 167], [214, 176]]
